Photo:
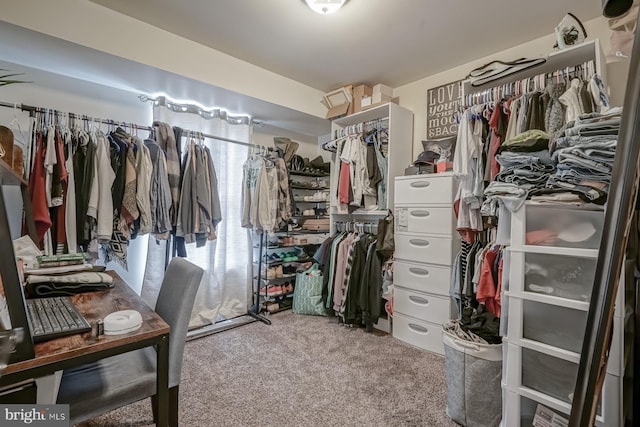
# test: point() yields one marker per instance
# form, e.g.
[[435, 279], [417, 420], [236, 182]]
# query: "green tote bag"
[[307, 295]]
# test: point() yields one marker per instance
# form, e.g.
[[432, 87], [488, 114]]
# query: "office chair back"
[[174, 305], [116, 381]]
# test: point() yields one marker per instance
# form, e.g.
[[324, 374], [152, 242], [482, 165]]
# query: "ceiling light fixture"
[[325, 7]]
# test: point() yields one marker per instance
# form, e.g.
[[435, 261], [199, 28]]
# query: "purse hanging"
[[385, 244]]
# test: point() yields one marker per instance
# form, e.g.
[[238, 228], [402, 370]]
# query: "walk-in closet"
[[319, 213]]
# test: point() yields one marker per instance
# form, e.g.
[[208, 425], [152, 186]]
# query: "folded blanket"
[[40, 290], [66, 284]]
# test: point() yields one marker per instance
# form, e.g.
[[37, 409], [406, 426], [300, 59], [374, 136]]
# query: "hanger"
[[15, 124]]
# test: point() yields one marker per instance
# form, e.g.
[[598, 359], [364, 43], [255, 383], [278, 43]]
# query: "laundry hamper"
[[473, 373]]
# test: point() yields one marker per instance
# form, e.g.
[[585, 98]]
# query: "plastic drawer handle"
[[418, 300], [420, 184], [419, 242], [420, 214], [418, 328], [419, 271]]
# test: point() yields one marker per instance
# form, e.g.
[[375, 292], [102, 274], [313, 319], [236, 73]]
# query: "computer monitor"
[[12, 290]]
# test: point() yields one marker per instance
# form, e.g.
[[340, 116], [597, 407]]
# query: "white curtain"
[[226, 288]]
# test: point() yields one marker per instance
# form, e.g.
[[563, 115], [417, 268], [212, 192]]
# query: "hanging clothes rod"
[[32, 110], [530, 84]]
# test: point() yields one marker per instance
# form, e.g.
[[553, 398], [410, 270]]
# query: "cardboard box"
[[395, 100], [383, 90], [378, 98], [359, 92], [339, 102]]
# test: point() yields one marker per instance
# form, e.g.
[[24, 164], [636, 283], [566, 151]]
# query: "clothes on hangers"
[[361, 163], [354, 278], [267, 201], [144, 168], [477, 276], [165, 137], [160, 192], [199, 206], [93, 191]]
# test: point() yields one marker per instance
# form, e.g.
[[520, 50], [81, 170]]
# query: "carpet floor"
[[302, 371]]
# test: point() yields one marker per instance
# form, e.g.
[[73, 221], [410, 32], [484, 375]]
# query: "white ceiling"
[[369, 41]]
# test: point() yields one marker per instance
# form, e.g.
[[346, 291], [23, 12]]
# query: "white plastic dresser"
[[426, 244], [550, 283]]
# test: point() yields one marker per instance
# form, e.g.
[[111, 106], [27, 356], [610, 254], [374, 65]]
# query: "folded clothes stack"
[[525, 164], [584, 152]]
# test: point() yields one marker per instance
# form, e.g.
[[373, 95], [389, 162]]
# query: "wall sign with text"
[[442, 102]]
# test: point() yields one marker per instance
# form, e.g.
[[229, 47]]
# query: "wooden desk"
[[74, 350]]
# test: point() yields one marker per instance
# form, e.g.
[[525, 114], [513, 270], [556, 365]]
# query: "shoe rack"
[[310, 191], [279, 256]]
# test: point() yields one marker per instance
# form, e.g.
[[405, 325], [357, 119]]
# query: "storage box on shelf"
[[553, 255], [426, 244]]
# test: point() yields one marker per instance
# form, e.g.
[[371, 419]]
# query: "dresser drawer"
[[557, 226], [422, 277], [431, 189], [550, 377], [540, 325], [425, 335], [435, 220], [428, 248], [432, 308]]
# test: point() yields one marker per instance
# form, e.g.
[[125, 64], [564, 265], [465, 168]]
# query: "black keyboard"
[[55, 317]]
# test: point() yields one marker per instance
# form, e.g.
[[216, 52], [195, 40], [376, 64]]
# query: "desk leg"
[[162, 383]]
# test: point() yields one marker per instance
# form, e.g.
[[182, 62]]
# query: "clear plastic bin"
[[549, 375], [560, 276], [557, 226], [554, 325]]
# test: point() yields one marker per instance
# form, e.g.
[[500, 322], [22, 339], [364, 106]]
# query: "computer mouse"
[[122, 322]]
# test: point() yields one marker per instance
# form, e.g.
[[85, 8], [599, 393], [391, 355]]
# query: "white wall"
[[414, 95], [91, 25], [308, 146]]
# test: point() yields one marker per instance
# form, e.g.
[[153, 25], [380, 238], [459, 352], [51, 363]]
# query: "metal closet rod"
[[33, 109]]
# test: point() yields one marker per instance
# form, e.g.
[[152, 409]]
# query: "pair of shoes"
[[271, 273], [287, 288], [318, 196], [288, 240], [304, 266], [274, 257], [289, 256], [279, 272], [274, 290], [271, 306], [289, 268]]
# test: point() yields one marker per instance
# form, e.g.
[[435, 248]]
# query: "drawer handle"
[[418, 328], [419, 300], [420, 214], [419, 242], [419, 271], [420, 184]]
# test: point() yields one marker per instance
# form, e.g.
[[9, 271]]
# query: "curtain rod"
[[32, 109]]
